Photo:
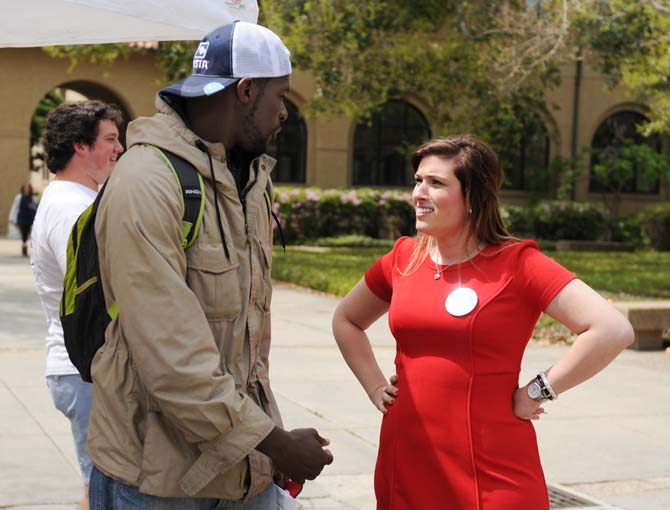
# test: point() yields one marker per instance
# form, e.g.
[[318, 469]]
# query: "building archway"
[[619, 130], [524, 153], [290, 148], [383, 145]]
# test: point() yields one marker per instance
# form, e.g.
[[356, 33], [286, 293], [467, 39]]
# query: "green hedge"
[[308, 214], [655, 223], [519, 220], [560, 219]]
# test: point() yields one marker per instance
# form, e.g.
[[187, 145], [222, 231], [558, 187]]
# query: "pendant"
[[461, 301], [437, 276]]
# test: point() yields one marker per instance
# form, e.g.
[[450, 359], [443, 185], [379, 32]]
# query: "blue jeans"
[[105, 493], [73, 397]]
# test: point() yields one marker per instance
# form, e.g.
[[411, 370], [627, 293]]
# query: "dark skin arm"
[[299, 454]]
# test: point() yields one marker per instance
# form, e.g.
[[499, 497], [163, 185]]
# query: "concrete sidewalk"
[[606, 440]]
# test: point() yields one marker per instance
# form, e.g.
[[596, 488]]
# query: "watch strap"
[[545, 386]]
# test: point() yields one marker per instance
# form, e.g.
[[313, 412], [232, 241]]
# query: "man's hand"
[[299, 454]]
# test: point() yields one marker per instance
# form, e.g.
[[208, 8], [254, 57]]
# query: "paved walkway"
[[606, 440]]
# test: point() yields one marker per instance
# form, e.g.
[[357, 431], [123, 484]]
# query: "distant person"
[[81, 142], [184, 416], [13, 231], [25, 214], [462, 300]]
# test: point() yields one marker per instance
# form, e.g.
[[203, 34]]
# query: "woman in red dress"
[[463, 298]]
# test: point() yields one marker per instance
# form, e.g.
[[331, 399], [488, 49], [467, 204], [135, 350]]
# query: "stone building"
[[336, 152]]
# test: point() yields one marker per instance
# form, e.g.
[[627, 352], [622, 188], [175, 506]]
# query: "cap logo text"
[[200, 64], [202, 50], [198, 58]]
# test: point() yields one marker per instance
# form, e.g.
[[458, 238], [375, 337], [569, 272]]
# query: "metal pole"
[[575, 120]]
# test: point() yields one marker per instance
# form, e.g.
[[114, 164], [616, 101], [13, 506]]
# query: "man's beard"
[[254, 141]]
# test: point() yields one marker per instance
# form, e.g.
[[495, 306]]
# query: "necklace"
[[460, 301], [438, 272]]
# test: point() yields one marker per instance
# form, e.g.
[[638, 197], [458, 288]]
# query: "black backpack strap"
[[192, 189]]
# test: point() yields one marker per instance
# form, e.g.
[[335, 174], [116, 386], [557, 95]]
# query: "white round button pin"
[[461, 301]]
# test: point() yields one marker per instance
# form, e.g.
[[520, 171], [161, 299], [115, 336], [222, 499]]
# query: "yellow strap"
[[113, 310]]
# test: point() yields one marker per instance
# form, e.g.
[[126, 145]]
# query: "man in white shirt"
[[81, 142]]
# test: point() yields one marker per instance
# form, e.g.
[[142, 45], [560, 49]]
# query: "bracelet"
[[545, 386]]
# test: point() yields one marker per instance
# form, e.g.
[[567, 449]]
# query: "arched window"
[[382, 147], [617, 131], [290, 148], [524, 154]]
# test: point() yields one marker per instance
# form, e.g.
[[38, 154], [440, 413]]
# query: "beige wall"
[[330, 141], [596, 103], [27, 74]]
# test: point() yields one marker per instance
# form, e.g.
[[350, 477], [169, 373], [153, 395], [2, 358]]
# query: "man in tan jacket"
[[183, 414]]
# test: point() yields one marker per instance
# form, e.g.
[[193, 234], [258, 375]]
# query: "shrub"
[[310, 213], [569, 220], [628, 229], [656, 226], [518, 220]]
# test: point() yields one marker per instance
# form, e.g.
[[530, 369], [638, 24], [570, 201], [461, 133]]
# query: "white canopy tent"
[[53, 22]]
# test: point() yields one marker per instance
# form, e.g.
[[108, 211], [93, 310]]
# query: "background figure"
[[184, 416], [463, 298], [26, 215], [13, 231], [81, 142]]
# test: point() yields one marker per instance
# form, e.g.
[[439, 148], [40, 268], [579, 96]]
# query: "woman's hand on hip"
[[385, 394], [526, 408]]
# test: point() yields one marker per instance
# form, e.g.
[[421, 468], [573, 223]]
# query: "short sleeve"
[[59, 235], [541, 278], [379, 278]]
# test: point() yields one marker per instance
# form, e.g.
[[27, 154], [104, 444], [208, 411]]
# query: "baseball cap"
[[230, 53]]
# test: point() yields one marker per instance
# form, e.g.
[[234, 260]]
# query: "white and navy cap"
[[230, 53]]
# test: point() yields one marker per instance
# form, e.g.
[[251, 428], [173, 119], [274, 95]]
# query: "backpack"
[[83, 313]]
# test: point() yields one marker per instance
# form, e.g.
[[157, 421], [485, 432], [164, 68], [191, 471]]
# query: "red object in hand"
[[292, 487]]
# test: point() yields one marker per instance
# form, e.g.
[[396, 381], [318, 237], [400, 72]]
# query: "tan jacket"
[[181, 389]]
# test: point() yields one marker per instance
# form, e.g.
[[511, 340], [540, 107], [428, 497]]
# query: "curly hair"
[[72, 123]]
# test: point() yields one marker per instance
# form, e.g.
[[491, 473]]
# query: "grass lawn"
[[616, 275], [332, 270]]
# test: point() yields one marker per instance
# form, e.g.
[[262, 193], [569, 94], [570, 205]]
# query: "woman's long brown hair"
[[477, 168]]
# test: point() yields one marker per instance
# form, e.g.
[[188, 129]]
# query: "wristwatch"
[[535, 391], [540, 389]]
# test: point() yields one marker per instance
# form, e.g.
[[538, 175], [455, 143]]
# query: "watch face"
[[534, 391]]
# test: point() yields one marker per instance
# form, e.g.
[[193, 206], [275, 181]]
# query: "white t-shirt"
[[61, 204]]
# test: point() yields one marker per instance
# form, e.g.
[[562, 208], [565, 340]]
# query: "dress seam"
[[469, 414], [392, 481], [470, 383]]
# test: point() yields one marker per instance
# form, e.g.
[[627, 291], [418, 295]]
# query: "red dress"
[[451, 440]]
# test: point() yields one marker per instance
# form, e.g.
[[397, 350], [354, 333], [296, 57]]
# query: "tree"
[[52, 99], [615, 166], [476, 65], [631, 44], [454, 55]]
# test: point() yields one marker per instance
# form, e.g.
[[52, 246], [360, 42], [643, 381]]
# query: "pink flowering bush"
[[561, 219], [310, 213]]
